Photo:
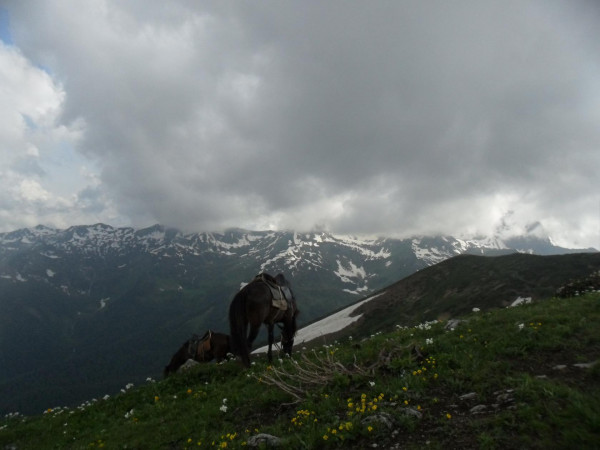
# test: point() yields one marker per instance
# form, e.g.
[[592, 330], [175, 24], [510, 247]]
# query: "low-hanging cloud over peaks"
[[386, 118]]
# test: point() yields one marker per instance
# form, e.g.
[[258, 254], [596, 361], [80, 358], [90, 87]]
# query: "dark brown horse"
[[253, 306], [202, 349]]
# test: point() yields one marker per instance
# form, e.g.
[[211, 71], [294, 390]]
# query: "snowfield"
[[328, 325]]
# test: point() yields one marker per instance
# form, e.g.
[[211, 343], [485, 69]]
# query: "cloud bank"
[[383, 118]]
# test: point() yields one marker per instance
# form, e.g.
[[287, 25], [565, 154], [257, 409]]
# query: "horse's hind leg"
[[254, 329]]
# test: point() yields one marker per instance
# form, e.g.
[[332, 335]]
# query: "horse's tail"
[[238, 328]]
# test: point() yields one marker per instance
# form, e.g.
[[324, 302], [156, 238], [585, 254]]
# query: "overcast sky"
[[393, 118]]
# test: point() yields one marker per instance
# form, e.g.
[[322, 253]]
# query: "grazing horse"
[[254, 305], [202, 349]]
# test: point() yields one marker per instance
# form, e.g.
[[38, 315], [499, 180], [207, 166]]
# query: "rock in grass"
[[264, 439], [383, 418]]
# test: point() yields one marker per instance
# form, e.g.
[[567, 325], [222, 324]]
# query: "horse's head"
[[180, 357], [287, 344], [288, 331]]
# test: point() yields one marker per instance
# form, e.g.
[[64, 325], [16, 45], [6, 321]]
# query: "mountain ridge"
[[89, 298]]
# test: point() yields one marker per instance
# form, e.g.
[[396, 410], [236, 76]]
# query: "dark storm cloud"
[[395, 117]]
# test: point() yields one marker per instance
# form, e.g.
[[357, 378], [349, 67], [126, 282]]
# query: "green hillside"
[[509, 379]]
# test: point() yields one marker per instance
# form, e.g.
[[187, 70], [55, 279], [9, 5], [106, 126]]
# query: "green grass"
[[347, 394]]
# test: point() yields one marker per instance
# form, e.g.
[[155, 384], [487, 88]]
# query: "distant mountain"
[[91, 308]]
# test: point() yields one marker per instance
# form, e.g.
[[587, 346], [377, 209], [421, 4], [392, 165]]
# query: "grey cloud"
[[222, 113]]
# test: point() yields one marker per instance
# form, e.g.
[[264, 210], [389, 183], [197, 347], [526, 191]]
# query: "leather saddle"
[[281, 295]]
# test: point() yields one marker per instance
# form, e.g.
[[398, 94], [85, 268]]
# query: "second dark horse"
[[253, 306], [211, 346]]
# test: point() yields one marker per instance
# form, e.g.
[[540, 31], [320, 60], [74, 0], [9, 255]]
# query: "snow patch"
[[352, 271], [328, 325], [520, 301]]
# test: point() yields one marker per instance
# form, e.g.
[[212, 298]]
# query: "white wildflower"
[[429, 341], [476, 310]]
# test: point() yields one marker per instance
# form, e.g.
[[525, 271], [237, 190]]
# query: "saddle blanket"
[[282, 296]]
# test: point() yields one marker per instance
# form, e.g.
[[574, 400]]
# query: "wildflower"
[[521, 326], [370, 428], [476, 310], [189, 391], [371, 383], [223, 408], [156, 398], [325, 437], [448, 416], [429, 341]]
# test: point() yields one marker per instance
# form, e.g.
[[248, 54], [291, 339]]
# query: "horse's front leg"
[[269, 356]]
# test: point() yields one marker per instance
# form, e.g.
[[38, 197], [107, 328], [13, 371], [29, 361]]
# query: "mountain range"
[[89, 309]]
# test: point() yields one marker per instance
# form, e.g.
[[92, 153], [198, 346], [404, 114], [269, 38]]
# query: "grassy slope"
[[455, 286], [342, 395]]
